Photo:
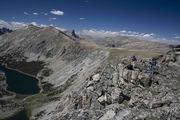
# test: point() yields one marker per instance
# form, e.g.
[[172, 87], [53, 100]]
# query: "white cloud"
[[51, 25], [43, 25], [82, 18], [18, 25], [26, 13], [177, 37], [51, 19], [45, 14], [123, 31], [100, 33], [34, 23], [57, 12], [146, 35], [35, 13]]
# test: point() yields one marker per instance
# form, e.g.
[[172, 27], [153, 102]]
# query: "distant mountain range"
[[5, 30]]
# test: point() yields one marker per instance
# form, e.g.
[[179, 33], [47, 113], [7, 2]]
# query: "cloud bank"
[[144, 36], [103, 33]]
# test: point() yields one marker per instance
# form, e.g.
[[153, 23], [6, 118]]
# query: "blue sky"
[[161, 17]]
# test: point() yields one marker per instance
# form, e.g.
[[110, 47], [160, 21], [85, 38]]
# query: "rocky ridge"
[[81, 80]]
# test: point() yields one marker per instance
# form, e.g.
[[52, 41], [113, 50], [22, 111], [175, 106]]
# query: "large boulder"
[[117, 96], [145, 79], [86, 99], [127, 74], [157, 104], [171, 57], [105, 99], [121, 69], [135, 74], [96, 77], [109, 115], [115, 79]]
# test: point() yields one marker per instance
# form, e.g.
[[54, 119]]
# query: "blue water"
[[20, 83], [19, 116]]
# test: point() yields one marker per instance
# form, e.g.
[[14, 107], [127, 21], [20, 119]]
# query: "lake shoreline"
[[24, 96], [32, 76]]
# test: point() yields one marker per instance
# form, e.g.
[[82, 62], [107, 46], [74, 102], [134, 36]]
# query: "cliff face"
[[81, 80]]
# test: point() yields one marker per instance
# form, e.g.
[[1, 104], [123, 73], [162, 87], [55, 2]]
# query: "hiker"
[[152, 65], [134, 60]]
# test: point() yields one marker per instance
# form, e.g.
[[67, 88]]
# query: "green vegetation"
[[34, 102], [117, 52], [125, 102]]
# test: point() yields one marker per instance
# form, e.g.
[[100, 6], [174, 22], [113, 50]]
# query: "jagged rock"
[[117, 96], [96, 77], [127, 74], [91, 88], [115, 79], [135, 74], [95, 104], [121, 82], [102, 99], [121, 69], [105, 99], [121, 114], [170, 57], [76, 100], [90, 83], [74, 34], [97, 114], [86, 99], [109, 115], [145, 79], [158, 104]]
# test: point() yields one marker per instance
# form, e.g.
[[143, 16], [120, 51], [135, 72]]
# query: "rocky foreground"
[[81, 80], [113, 92]]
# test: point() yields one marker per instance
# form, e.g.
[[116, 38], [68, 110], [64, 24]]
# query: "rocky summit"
[[85, 79]]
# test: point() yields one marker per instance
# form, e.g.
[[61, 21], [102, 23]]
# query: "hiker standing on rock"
[[134, 60]]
